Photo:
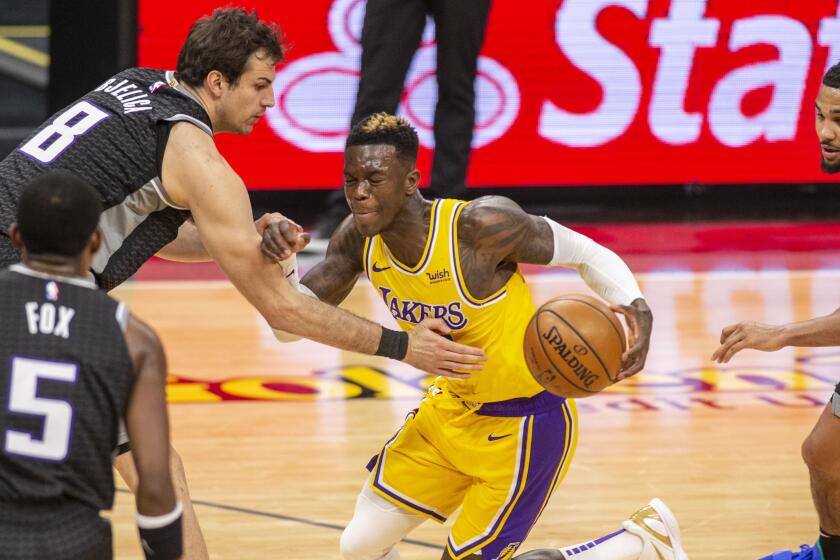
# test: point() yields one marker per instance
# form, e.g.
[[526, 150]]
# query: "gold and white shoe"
[[657, 526]]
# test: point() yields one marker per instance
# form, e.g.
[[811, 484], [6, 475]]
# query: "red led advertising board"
[[570, 92]]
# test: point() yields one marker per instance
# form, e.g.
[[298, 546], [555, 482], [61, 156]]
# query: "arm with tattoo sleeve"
[[500, 233], [332, 279]]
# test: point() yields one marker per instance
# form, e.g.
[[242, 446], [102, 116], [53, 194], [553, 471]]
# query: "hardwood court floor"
[[275, 438]]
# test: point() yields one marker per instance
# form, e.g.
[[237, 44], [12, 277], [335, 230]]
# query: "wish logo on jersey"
[[415, 311]]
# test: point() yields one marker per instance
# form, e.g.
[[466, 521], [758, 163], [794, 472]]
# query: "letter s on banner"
[[576, 34]]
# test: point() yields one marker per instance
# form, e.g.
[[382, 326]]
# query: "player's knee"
[[361, 545], [353, 545], [817, 456]]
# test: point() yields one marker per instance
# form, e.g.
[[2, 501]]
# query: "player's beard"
[[830, 168]]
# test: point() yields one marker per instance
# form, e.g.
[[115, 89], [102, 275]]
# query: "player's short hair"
[[832, 76], [224, 41], [57, 213], [382, 128]]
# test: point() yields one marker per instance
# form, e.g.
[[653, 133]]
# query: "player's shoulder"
[[192, 144], [140, 337], [488, 211]]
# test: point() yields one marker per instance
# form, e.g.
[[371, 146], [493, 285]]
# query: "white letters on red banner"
[[568, 91]]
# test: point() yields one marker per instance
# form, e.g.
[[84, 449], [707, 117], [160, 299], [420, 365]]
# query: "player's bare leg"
[[822, 455], [194, 545]]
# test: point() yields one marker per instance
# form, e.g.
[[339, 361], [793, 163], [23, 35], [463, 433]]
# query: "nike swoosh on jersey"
[[377, 269], [491, 437]]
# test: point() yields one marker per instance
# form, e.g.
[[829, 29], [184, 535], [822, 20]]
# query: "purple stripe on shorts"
[[539, 403], [548, 450]]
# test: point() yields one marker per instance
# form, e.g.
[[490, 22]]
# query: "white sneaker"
[[656, 525]]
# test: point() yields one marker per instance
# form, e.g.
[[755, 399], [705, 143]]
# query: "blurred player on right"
[[821, 449]]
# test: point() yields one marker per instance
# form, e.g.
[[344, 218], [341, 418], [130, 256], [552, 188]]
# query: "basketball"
[[573, 345]]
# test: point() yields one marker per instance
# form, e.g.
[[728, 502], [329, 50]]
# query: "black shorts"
[[57, 530], [8, 254]]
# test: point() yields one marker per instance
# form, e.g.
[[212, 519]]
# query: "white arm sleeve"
[[600, 268], [290, 271]]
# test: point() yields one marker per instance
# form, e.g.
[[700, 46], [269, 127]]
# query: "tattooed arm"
[[333, 278], [496, 233]]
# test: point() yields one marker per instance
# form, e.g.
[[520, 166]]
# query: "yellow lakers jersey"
[[436, 288]]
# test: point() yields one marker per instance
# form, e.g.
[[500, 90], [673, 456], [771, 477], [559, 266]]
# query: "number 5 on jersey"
[[57, 414], [59, 134]]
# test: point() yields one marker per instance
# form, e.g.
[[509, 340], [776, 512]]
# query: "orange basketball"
[[573, 345]]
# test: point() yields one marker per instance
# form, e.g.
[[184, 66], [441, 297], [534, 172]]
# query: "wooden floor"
[[275, 438]]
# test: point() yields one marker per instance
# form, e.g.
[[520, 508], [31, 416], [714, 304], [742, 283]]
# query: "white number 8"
[[58, 414], [66, 134]]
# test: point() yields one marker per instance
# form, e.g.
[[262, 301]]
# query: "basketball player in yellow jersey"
[[493, 443]]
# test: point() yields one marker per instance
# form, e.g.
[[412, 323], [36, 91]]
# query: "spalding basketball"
[[573, 345]]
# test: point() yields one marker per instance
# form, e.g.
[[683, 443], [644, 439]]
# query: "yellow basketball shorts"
[[500, 462]]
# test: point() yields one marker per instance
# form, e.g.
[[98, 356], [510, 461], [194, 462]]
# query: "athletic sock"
[[830, 545], [620, 545]]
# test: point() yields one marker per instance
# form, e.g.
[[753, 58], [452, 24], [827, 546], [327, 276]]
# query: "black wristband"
[[163, 543], [393, 344]]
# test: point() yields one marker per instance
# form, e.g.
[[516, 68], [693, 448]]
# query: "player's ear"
[[214, 82], [412, 181], [95, 241], [14, 235]]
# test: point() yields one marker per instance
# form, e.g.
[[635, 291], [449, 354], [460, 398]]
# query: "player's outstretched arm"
[[196, 176], [147, 423], [501, 231], [821, 331], [187, 247]]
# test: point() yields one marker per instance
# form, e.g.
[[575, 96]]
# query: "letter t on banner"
[[679, 35]]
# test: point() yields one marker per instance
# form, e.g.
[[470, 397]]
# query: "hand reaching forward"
[[747, 334], [429, 351]]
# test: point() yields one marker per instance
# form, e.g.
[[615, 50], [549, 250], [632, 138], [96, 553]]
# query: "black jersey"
[[65, 380], [113, 137]]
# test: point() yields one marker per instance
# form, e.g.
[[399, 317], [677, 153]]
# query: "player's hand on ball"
[[429, 351], [640, 322], [281, 237], [747, 334]]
